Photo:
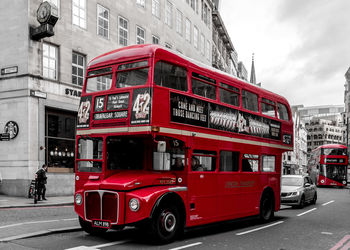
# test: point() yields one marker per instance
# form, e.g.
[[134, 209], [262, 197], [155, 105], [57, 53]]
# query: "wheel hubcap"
[[168, 221]]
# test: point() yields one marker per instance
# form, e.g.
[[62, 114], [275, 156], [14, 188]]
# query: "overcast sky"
[[301, 47]]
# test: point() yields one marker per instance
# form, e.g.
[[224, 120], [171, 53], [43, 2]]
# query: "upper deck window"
[[268, 107], [170, 76], [229, 94], [282, 112], [202, 88], [98, 80], [132, 74], [250, 101]]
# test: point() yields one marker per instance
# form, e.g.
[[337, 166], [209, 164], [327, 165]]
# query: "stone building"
[[41, 79]]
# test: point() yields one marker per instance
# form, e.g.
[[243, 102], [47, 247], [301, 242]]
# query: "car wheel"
[[87, 227], [266, 208], [314, 199], [302, 202]]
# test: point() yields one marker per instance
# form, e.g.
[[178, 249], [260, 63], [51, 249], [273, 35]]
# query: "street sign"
[[5, 137]]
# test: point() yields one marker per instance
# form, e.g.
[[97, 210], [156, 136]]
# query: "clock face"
[[43, 12]]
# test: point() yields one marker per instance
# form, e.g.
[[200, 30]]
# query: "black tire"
[[87, 227], [165, 224], [302, 202], [267, 209], [313, 201]]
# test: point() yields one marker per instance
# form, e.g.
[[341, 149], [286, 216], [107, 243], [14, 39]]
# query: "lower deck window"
[[250, 163], [268, 163], [203, 160]]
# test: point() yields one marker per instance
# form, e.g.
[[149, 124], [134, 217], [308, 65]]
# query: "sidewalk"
[[13, 202]]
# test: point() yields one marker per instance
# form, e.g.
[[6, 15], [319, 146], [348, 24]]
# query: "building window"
[[168, 13], [140, 35], [167, 45], [141, 3], [102, 21], [60, 140], [156, 8], [202, 45], [188, 30], [155, 39], [207, 50], [123, 31], [195, 37], [79, 13], [179, 22], [50, 61], [78, 68]]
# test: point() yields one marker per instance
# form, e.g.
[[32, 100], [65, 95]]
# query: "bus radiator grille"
[[101, 205]]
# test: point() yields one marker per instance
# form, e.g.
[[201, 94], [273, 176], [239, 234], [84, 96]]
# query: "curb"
[[38, 205], [41, 233]]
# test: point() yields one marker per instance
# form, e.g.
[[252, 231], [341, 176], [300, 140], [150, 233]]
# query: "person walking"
[[41, 179]]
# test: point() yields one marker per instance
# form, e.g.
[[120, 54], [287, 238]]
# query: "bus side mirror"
[[161, 147]]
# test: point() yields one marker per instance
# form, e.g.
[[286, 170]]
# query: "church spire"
[[252, 72]]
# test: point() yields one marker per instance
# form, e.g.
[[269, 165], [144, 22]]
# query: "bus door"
[[228, 184], [202, 187]]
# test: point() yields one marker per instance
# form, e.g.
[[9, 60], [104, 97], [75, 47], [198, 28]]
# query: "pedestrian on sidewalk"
[[41, 179]]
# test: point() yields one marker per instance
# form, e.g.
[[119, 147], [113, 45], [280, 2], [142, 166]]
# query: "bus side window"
[[250, 163], [203, 160], [282, 112], [250, 100], [170, 76], [229, 161]]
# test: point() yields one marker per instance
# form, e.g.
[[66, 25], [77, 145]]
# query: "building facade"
[[41, 80], [295, 162]]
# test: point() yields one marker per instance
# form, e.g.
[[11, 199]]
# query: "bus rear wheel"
[[266, 208], [165, 224], [87, 227]]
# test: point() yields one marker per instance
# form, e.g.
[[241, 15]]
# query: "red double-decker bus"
[[165, 143], [328, 165]]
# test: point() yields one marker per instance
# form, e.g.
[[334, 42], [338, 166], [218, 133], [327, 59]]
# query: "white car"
[[298, 190]]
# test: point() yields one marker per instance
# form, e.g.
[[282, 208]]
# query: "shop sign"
[[72, 92], [9, 70], [12, 129]]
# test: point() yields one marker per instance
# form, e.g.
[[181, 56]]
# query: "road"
[[325, 225]]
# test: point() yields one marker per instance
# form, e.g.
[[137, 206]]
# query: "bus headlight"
[[134, 204], [78, 199]]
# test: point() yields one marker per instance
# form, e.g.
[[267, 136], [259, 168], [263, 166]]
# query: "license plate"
[[101, 223]]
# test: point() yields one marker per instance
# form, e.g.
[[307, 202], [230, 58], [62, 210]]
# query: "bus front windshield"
[[90, 154]]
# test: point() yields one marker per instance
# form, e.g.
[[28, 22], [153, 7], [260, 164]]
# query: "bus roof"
[[146, 50], [331, 146]]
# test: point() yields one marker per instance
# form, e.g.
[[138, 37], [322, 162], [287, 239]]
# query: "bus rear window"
[[170, 76], [132, 74]]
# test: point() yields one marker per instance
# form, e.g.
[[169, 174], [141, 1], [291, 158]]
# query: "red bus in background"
[[328, 165], [165, 143]]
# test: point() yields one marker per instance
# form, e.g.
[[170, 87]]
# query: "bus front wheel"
[[165, 224], [266, 207]]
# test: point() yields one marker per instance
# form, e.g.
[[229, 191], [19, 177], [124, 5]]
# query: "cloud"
[[301, 47]]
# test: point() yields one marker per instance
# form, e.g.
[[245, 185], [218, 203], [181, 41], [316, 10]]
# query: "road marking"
[[308, 211], [70, 219], [329, 202], [98, 246], [3, 200], [260, 228], [343, 244], [186, 246], [328, 233]]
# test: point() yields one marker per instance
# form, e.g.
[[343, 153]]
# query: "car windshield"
[[292, 181]]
